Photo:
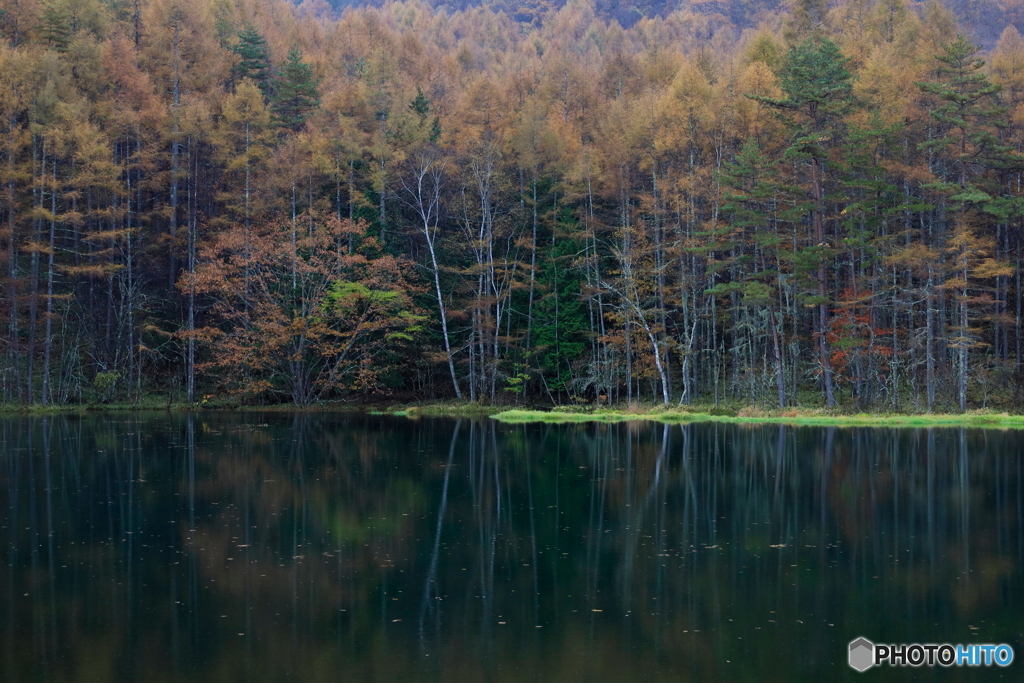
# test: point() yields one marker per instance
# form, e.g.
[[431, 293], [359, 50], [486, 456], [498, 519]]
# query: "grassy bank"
[[567, 414], [431, 408], [790, 417], [75, 408]]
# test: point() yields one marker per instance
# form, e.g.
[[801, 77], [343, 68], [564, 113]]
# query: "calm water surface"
[[291, 547]]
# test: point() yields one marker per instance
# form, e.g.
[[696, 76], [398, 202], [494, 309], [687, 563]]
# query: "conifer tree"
[[591, 225], [420, 106], [296, 93], [253, 62], [54, 30], [753, 191], [969, 110], [819, 93]]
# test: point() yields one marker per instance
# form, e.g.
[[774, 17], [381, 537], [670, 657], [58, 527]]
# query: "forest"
[[253, 202]]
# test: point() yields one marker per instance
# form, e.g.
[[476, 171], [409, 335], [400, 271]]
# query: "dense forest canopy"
[[245, 198], [982, 20]]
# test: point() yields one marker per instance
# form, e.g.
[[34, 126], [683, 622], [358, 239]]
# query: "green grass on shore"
[[83, 408], [570, 414], [811, 419], [431, 408]]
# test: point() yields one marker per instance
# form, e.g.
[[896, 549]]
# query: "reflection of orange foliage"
[[854, 514], [983, 585], [862, 517], [265, 562]]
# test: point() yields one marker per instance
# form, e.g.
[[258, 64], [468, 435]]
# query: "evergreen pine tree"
[[296, 93], [818, 86], [561, 326], [969, 108], [421, 107], [253, 62], [753, 192], [819, 93], [223, 26], [54, 29]]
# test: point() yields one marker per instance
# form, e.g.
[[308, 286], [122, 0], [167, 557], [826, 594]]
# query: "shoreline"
[[807, 419], [512, 415]]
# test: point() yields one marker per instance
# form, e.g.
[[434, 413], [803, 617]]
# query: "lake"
[[345, 547]]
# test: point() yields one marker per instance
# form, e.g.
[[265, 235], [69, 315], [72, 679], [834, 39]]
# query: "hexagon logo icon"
[[862, 654]]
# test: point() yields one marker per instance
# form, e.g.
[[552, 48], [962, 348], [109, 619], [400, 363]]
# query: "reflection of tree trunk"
[[12, 470], [931, 536], [598, 496], [193, 568], [533, 542], [965, 499], [780, 446], [429, 590], [826, 470], [47, 428]]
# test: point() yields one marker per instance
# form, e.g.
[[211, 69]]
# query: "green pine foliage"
[[253, 61], [819, 90], [968, 108], [295, 92], [420, 107], [55, 30], [561, 322]]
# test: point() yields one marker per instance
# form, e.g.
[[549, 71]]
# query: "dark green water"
[[279, 547]]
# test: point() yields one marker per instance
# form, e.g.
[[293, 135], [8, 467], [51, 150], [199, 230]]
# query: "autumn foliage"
[[267, 202], [294, 311]]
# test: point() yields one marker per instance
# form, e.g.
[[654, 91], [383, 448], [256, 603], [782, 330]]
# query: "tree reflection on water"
[[268, 547]]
